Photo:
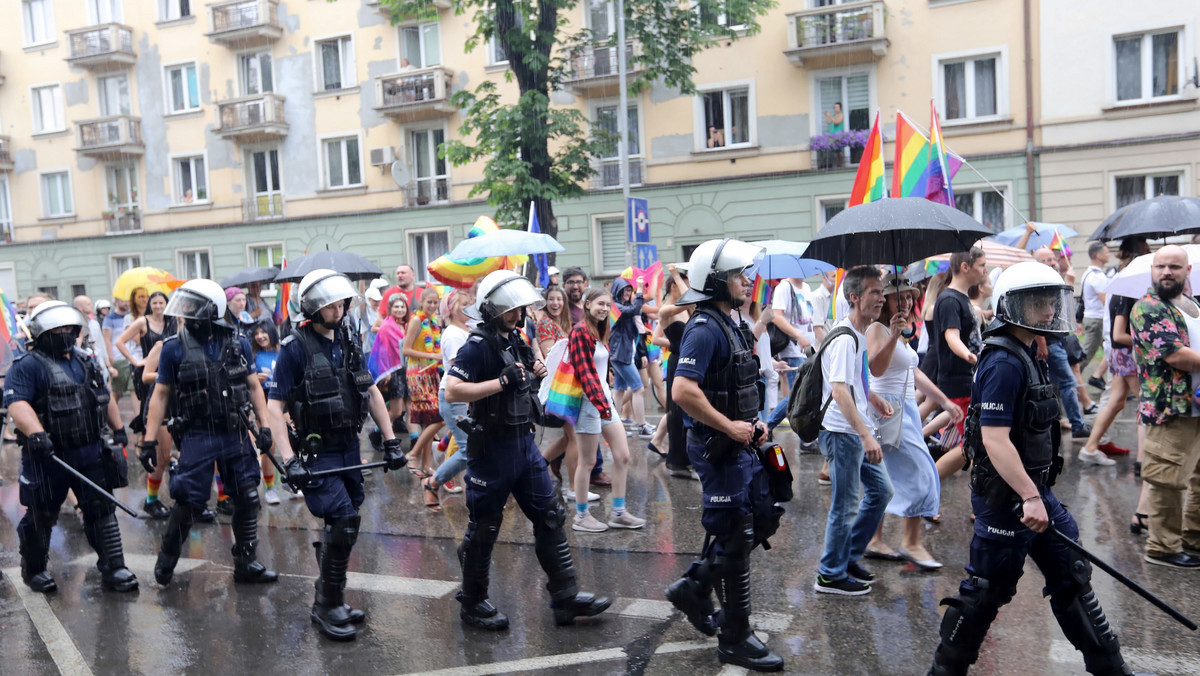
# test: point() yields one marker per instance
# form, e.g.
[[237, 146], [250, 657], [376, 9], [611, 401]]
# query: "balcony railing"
[[111, 137], [594, 69], [843, 34], [421, 94], [122, 223], [6, 160], [243, 23], [104, 47], [425, 191], [262, 207], [608, 173], [252, 118]]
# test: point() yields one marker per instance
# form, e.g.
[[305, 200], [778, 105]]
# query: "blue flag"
[[539, 260]]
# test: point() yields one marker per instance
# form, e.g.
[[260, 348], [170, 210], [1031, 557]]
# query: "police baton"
[[1138, 589], [270, 456], [93, 485]]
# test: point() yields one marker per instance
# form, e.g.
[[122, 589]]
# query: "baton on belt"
[[93, 485], [270, 456]]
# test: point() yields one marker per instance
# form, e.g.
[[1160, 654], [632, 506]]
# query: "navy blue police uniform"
[[1012, 389]]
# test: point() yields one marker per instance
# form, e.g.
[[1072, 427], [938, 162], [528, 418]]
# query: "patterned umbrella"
[[462, 274], [150, 279]]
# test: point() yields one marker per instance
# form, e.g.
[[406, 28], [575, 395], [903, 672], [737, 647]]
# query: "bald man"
[[1164, 324]]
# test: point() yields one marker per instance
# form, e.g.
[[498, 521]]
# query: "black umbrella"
[[352, 265], [895, 231], [1160, 216], [250, 275]]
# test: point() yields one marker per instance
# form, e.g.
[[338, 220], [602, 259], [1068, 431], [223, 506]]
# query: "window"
[[343, 165], [263, 168], [266, 255], [38, 18], [1140, 187], [495, 51], [847, 96], [78, 290], [828, 208], [170, 10], [47, 109], [194, 264], [51, 291], [984, 205], [420, 46], [56, 195], [609, 237], [726, 118], [191, 180], [600, 19], [969, 88], [121, 263], [122, 211], [335, 58], [114, 94], [429, 170], [609, 164], [255, 73], [183, 89], [1147, 65], [426, 247], [5, 211], [728, 13], [104, 11]]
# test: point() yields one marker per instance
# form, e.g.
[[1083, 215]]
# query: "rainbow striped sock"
[[269, 480], [152, 486]]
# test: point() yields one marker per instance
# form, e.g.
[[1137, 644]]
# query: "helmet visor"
[[187, 304], [1044, 309], [53, 318], [327, 291], [511, 294]]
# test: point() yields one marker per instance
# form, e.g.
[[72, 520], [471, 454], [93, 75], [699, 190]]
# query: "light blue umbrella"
[[1041, 238], [785, 259], [505, 242]]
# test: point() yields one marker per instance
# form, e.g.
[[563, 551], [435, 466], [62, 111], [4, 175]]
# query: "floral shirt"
[[1158, 331]]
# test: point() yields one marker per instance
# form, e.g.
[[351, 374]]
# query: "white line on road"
[[144, 563], [431, 589], [58, 642], [1158, 662], [663, 610], [564, 660]]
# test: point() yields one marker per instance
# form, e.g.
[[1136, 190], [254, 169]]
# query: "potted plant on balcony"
[[830, 148], [107, 215]]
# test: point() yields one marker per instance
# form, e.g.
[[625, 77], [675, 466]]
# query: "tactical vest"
[[733, 387], [332, 398], [72, 412], [210, 395], [507, 413], [1035, 431]]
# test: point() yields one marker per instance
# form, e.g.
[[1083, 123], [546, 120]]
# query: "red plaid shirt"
[[581, 350]]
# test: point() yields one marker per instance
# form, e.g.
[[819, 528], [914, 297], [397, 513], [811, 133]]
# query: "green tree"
[[540, 153]]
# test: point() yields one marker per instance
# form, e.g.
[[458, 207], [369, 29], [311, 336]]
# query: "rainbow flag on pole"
[[910, 177], [761, 292], [8, 318], [837, 284], [1059, 244], [870, 181], [281, 298], [939, 189]]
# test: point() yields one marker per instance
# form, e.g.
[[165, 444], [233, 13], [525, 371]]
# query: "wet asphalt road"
[[408, 572]]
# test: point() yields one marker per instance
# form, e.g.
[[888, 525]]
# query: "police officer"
[[1013, 437], [322, 382], [59, 403], [494, 372], [716, 387], [204, 376]]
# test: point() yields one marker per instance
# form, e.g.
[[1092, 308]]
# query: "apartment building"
[[204, 137]]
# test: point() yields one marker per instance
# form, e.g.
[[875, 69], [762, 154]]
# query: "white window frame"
[[115, 10], [722, 18], [176, 177], [492, 45], [817, 121], [420, 26], [1183, 170], [254, 54], [135, 258], [168, 98], [640, 122], [252, 262], [59, 123], [819, 202], [164, 10], [411, 149], [408, 247], [43, 197], [101, 97], [1003, 84], [346, 66], [10, 267], [6, 220], [180, 266], [51, 36], [321, 150], [699, 133], [1185, 56], [597, 243], [979, 189]]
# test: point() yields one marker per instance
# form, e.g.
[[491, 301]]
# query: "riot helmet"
[[200, 303], [323, 287], [1033, 296], [51, 315], [501, 291], [711, 264]]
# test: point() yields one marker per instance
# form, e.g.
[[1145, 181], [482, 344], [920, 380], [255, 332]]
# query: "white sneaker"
[[592, 497], [1095, 458], [271, 496], [588, 524], [645, 431], [626, 520]]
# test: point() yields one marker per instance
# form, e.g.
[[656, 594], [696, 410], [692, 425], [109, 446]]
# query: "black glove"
[[297, 474], [39, 446], [393, 455], [263, 439], [148, 454], [120, 438], [512, 377]]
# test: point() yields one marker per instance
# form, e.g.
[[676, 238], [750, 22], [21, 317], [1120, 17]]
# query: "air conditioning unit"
[[382, 156]]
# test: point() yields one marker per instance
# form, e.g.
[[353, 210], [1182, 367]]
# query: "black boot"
[[105, 537], [356, 616], [1085, 626], [737, 643], [246, 567], [329, 611], [692, 593], [33, 532], [475, 556], [550, 544], [179, 524]]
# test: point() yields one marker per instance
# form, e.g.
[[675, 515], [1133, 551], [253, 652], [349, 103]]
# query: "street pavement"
[[404, 573]]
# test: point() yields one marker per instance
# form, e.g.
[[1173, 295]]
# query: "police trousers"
[[338, 495], [232, 452], [44, 484], [731, 489], [509, 466]]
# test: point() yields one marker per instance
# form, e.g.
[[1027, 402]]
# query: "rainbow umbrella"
[[462, 274], [150, 279]]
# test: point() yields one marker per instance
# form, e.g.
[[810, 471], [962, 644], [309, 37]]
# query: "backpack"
[[805, 410]]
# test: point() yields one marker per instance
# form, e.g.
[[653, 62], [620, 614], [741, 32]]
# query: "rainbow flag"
[[837, 284], [939, 188], [870, 181], [281, 299], [1059, 244], [934, 267], [761, 292], [910, 177], [8, 318], [566, 393]]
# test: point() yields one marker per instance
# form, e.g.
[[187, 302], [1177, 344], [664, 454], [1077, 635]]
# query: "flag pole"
[[881, 157]]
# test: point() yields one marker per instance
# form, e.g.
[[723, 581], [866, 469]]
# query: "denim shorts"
[[589, 417], [627, 377]]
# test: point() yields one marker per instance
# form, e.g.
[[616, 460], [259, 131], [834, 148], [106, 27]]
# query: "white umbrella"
[[505, 242], [1043, 236], [1134, 280]]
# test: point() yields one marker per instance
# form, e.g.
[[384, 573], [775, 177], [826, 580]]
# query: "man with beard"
[[1162, 324], [575, 281]]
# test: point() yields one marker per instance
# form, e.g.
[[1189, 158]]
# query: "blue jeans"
[[1064, 379], [780, 411], [457, 463], [852, 520]]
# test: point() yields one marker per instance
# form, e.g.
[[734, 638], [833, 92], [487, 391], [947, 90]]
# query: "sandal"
[[1138, 525], [419, 473], [935, 519], [433, 501]]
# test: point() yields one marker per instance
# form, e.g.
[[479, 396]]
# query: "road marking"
[[430, 589], [565, 660], [650, 609], [1156, 661], [58, 642], [144, 563]]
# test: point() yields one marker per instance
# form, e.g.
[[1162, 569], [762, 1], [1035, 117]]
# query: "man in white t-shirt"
[[793, 318], [820, 299], [1094, 281], [848, 442]]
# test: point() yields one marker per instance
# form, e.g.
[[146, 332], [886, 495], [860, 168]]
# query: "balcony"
[[608, 173], [111, 138], [263, 207], [415, 95], [426, 191], [244, 23], [250, 119], [837, 35], [101, 48], [594, 70], [6, 159], [379, 7], [123, 221]]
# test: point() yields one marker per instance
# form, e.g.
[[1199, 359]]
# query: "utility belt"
[[478, 434], [321, 443], [987, 483]]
